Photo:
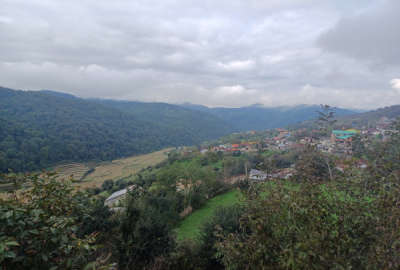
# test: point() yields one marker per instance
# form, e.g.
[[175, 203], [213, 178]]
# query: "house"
[[204, 151], [117, 196], [235, 147], [256, 175], [343, 135], [285, 173]]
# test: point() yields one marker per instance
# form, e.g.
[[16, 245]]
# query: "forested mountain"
[[258, 117], [39, 129], [371, 117], [176, 118]]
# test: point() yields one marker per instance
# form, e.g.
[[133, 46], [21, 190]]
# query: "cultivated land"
[[121, 168], [74, 170], [113, 170], [190, 227]]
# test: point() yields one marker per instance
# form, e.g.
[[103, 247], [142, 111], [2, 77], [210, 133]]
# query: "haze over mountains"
[[258, 117], [42, 128]]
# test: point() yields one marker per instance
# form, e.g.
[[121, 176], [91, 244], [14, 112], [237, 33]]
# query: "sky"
[[226, 53]]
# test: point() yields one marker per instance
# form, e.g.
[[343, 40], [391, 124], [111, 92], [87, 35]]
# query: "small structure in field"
[[117, 196], [256, 175]]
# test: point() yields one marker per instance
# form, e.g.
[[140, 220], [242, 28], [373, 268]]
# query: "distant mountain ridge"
[[258, 117]]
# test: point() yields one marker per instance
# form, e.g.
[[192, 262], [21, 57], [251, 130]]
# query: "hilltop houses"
[[342, 140]]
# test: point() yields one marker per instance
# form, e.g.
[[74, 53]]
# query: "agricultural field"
[[75, 170], [93, 175], [190, 227], [121, 168]]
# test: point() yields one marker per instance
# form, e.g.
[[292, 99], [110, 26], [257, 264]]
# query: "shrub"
[[39, 227], [316, 226]]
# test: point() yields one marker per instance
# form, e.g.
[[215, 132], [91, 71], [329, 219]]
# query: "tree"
[[326, 118], [313, 165], [224, 222], [145, 233], [326, 121]]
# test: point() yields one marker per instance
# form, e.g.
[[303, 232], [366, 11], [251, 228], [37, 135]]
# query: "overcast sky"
[[212, 52]]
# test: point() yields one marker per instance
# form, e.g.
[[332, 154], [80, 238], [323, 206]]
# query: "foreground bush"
[[39, 227], [317, 226]]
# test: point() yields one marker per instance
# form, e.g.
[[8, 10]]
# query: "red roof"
[[235, 145]]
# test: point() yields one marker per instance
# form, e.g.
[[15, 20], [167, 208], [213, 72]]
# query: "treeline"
[[40, 129]]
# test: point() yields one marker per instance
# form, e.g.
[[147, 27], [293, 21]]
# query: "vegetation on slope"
[[311, 221], [40, 129], [190, 227]]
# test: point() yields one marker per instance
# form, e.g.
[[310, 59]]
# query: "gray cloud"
[[218, 53], [372, 35]]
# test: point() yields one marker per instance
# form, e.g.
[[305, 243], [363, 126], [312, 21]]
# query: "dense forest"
[[39, 129], [371, 117]]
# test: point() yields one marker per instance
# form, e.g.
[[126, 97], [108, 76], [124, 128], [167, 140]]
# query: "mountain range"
[[258, 117]]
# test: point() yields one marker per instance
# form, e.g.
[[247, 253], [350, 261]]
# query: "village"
[[339, 143]]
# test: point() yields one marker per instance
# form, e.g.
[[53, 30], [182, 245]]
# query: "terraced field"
[[121, 168], [74, 170], [94, 175]]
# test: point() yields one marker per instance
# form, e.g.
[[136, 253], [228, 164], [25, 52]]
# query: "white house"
[[257, 175]]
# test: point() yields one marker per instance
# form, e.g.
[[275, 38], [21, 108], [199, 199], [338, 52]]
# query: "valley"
[[201, 191], [199, 135]]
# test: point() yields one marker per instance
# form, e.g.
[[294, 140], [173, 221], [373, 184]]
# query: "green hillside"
[[40, 129], [191, 226]]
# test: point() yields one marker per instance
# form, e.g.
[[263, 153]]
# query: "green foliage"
[[339, 225], [224, 222], [313, 165], [40, 225], [145, 230], [191, 226], [326, 118], [358, 146]]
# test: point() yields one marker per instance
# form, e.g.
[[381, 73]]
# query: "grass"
[[190, 227]]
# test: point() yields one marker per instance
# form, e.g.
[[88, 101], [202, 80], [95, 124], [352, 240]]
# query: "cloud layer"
[[217, 53]]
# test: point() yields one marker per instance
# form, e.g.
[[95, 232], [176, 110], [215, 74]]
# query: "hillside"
[[199, 125], [371, 117], [40, 129], [258, 117]]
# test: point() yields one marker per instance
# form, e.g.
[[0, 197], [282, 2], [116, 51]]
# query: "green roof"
[[344, 132], [344, 137]]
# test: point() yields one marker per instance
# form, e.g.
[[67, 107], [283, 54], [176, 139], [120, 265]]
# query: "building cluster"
[[341, 141], [245, 147], [259, 176]]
